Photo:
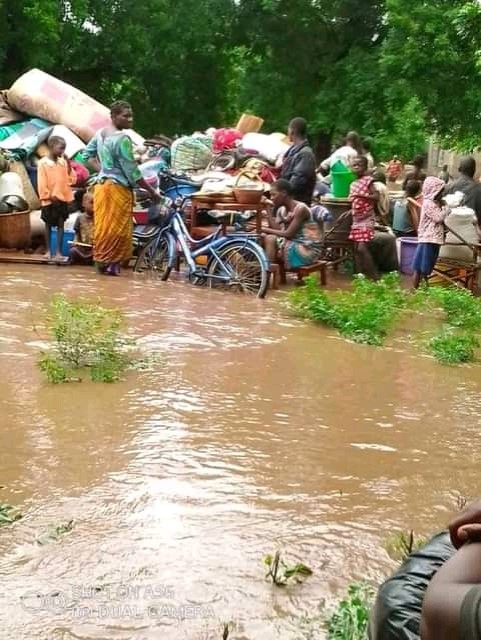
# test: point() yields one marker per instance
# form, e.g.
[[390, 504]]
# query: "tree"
[[433, 53]]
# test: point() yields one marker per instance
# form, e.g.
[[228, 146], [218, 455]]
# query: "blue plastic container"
[[408, 249], [68, 236]]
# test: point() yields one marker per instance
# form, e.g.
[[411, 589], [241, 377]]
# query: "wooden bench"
[[279, 273], [459, 272]]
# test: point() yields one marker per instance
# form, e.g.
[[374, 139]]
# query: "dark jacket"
[[472, 193], [300, 169]]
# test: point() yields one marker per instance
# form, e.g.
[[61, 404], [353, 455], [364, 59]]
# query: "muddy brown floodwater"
[[258, 432]]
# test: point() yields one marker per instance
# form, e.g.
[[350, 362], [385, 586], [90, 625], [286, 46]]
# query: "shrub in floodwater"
[[8, 514], [54, 533], [400, 545], [86, 335], [363, 315], [462, 309], [454, 348], [351, 617], [280, 572]]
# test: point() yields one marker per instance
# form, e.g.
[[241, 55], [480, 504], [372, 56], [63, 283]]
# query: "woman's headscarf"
[[432, 187]]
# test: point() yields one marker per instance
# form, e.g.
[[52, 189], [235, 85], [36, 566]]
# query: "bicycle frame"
[[209, 246]]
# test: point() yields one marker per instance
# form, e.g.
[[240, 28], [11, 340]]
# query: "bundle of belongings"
[[36, 107]]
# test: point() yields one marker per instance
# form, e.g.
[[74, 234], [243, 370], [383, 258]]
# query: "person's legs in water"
[[48, 250], [417, 275], [60, 234], [113, 269], [270, 247], [365, 263]]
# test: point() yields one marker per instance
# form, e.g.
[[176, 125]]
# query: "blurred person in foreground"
[[452, 604]]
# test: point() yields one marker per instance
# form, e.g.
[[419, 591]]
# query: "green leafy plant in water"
[[54, 533], [86, 335], [350, 619], [454, 348], [363, 315], [8, 514], [403, 543], [280, 572]]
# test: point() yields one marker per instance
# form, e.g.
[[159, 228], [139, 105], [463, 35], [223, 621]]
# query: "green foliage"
[[454, 348], [402, 544], [55, 372], [364, 315], [8, 515], [54, 533], [350, 620], [86, 335], [280, 573], [367, 313]]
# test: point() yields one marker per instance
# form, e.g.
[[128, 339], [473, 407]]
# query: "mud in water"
[[258, 432]]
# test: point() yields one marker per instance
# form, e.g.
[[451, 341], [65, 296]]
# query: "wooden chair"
[[280, 273], [459, 272]]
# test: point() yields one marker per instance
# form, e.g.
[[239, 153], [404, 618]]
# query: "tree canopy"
[[396, 70]]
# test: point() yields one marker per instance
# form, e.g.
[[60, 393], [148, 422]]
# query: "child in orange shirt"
[[55, 180]]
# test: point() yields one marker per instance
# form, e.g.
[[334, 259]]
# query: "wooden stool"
[[320, 266]]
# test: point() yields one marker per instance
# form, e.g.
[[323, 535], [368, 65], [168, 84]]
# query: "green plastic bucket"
[[342, 178]]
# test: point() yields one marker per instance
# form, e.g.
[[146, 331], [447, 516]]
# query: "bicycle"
[[233, 261]]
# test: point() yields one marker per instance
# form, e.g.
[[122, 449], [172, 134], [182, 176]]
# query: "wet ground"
[[257, 432]]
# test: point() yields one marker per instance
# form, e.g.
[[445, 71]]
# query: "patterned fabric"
[[305, 248], [431, 228], [363, 214], [113, 205], [394, 169], [116, 155]]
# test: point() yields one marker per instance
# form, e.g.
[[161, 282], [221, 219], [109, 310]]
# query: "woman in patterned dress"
[[363, 196], [118, 175]]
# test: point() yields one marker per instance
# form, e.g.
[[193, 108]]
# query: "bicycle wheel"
[[247, 268], [155, 258]]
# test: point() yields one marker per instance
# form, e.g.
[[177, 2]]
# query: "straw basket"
[[15, 230]]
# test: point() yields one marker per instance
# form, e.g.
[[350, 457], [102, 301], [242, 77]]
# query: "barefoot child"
[[55, 180], [81, 251], [430, 231], [363, 196]]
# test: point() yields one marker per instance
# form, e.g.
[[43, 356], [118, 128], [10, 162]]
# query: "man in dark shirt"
[[299, 166], [467, 185]]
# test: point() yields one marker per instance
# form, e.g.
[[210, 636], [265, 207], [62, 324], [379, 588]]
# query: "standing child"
[[406, 212], [82, 248], [430, 231], [363, 196], [55, 180]]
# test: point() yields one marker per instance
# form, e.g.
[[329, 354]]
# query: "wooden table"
[[208, 203]]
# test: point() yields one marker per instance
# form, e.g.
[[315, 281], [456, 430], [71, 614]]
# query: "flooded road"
[[257, 432]]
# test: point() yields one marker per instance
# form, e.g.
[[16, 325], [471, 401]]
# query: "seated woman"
[[293, 237], [81, 251]]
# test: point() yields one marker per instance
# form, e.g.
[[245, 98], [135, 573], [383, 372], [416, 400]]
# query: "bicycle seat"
[[145, 231]]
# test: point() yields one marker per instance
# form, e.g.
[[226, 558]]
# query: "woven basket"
[[247, 194], [15, 230]]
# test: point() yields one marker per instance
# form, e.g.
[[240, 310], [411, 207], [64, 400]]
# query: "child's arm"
[[43, 186], [437, 214], [414, 209]]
